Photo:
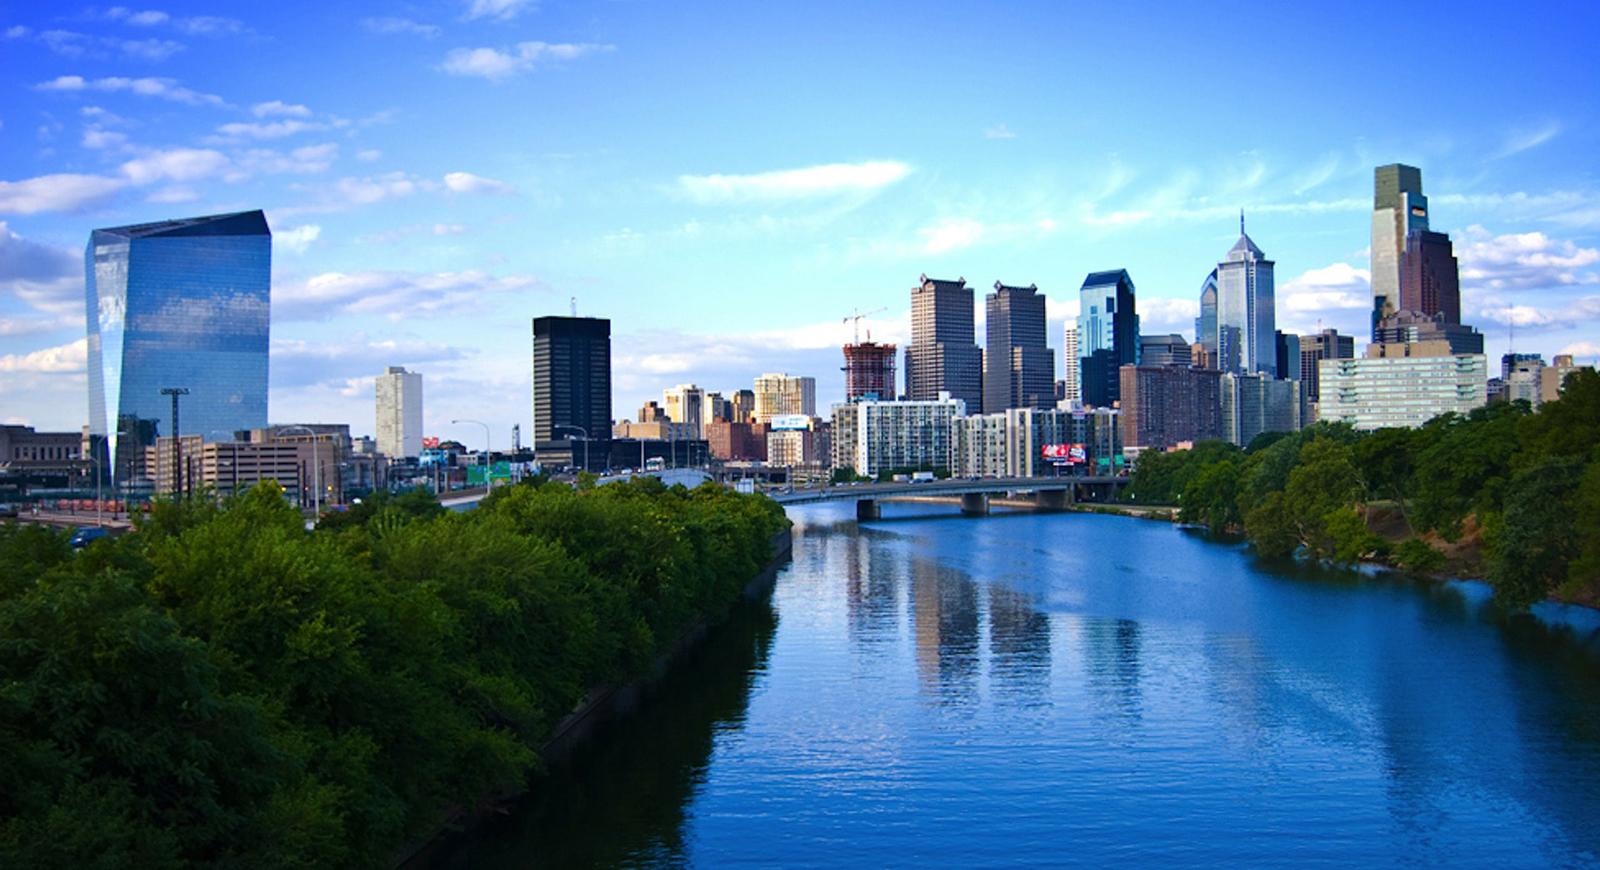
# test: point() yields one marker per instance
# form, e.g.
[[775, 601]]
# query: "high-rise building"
[[717, 408], [1327, 344], [1523, 379], [1108, 335], [1246, 318], [1205, 326], [686, 404], [1398, 209], [1286, 355], [1554, 377], [1018, 369], [571, 378], [873, 437], [1071, 385], [943, 356], [742, 407], [1165, 350], [869, 370], [399, 400], [1412, 333], [182, 304], [1253, 404], [1430, 280], [1402, 391], [779, 394], [1164, 406]]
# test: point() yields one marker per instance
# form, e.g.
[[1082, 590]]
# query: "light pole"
[[177, 444], [316, 467], [585, 443], [488, 452]]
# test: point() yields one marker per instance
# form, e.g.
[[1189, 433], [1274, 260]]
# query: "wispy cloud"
[[278, 108], [502, 10], [64, 359], [496, 64], [1518, 141], [396, 295], [999, 131], [399, 25], [59, 192], [829, 179], [466, 182], [296, 239], [160, 88]]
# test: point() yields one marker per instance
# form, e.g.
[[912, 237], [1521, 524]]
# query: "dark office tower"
[[1108, 335], [1165, 350], [180, 304], [1287, 354], [869, 371], [1398, 209], [571, 378], [1430, 282], [1164, 406], [1327, 344], [1018, 369], [1205, 326], [943, 355]]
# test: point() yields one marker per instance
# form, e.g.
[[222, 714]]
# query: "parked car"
[[8, 510], [86, 535]]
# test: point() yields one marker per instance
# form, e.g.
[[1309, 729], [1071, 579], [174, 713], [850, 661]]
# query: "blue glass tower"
[[1108, 335], [181, 303]]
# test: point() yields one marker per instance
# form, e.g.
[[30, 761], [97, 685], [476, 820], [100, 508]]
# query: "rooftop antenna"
[[574, 304], [1241, 221]]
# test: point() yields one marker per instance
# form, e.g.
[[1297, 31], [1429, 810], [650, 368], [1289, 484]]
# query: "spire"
[[1241, 221]]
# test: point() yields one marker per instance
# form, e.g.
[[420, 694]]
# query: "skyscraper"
[[780, 395], [943, 356], [177, 304], [686, 404], [1108, 335], [1246, 319], [1398, 209], [1327, 344], [869, 371], [1018, 370], [399, 400], [1070, 363], [1430, 281], [571, 378], [1205, 326], [1165, 350]]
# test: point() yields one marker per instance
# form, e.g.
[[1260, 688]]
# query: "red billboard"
[[430, 443], [1064, 454]]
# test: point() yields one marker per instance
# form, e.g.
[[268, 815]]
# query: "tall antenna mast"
[[574, 303]]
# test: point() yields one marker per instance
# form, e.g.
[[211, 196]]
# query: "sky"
[[729, 182]]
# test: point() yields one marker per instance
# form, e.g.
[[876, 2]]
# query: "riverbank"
[[601, 708], [1164, 513]]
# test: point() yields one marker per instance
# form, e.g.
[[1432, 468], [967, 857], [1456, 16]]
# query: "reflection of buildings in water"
[[1019, 645], [871, 589], [1111, 650], [944, 612]]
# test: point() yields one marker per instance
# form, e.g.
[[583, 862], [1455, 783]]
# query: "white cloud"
[[150, 49], [279, 109], [503, 10], [170, 195], [165, 89], [951, 235], [1528, 138], [296, 239], [495, 64], [365, 191], [369, 155], [812, 181], [448, 229], [1582, 349], [399, 25], [97, 139], [298, 363], [237, 130], [466, 182], [1521, 261], [147, 18], [61, 192], [397, 295], [62, 359], [301, 161], [999, 131], [177, 164], [1337, 286], [1172, 315]]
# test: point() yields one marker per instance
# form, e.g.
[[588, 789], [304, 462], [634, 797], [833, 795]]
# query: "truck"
[[922, 477]]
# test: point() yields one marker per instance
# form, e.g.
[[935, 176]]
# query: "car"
[[8, 510], [86, 535]]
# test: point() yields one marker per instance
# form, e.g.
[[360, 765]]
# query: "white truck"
[[922, 477]]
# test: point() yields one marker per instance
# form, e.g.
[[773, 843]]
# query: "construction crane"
[[857, 318]]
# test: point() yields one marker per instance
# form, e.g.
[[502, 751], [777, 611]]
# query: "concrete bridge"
[[1049, 493]]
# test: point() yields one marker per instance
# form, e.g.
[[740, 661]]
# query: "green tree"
[[1536, 538], [1211, 497]]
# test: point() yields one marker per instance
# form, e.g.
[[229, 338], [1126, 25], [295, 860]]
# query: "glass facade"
[[186, 304], [1108, 335]]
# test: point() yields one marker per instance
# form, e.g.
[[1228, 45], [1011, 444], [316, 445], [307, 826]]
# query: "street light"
[[316, 467], [585, 443], [177, 443], [488, 452]]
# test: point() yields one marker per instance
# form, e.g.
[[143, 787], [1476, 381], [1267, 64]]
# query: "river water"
[[1072, 689]]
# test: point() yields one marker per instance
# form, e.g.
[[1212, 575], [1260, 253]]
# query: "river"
[[1073, 689]]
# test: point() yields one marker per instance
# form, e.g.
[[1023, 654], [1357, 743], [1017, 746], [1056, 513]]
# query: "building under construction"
[[869, 371]]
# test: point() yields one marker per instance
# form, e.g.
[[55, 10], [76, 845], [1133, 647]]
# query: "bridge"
[[1049, 493]]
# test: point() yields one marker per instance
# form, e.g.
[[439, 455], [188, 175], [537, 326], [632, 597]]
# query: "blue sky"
[[727, 182]]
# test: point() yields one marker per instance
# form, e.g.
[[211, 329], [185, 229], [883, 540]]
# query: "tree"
[[1536, 537], [1212, 497], [1467, 468], [1323, 481]]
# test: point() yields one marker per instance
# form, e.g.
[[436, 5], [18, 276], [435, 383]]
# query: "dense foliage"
[[1525, 484], [224, 687]]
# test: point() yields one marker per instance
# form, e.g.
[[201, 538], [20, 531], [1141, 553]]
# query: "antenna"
[[574, 303], [1241, 221]]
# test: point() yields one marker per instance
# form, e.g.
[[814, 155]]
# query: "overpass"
[[1052, 493]]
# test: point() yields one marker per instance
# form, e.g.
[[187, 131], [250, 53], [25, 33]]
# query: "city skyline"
[[394, 248]]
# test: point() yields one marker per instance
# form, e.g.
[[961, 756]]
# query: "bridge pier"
[[975, 504], [867, 509], [1052, 499]]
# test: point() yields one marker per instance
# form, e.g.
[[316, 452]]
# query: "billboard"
[[1064, 454], [430, 443], [790, 422]]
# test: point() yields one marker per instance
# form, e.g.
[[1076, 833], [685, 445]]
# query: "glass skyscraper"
[[1108, 335], [1246, 319], [1398, 209], [185, 304]]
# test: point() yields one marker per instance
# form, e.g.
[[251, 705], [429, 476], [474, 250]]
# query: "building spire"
[[1241, 221]]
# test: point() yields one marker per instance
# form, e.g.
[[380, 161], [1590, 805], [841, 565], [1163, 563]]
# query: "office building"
[[686, 404], [742, 406], [1253, 404], [1398, 209], [1018, 368], [1205, 326], [1167, 406], [1245, 317], [1165, 350], [1327, 344], [869, 371], [717, 408], [1071, 385], [399, 424], [873, 437], [737, 441], [780, 395], [979, 445], [1412, 333], [1554, 377], [1430, 280], [791, 447], [943, 356], [1524, 378], [1404, 392], [654, 430], [571, 386], [1286, 355], [180, 304], [1108, 335]]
